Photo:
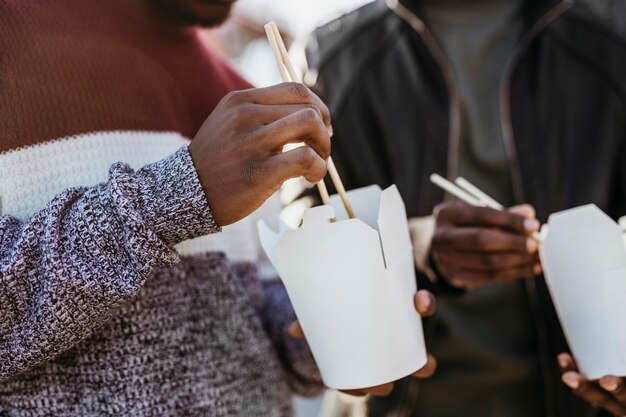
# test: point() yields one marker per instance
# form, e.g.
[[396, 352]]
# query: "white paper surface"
[[356, 312], [584, 262]]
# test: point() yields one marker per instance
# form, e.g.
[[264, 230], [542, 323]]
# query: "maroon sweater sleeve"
[[68, 267]]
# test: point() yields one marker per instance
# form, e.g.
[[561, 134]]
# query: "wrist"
[[173, 201]]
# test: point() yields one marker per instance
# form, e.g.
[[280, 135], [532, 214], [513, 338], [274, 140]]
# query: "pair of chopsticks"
[[287, 74], [472, 195]]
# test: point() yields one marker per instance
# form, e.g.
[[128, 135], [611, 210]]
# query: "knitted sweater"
[[106, 305]]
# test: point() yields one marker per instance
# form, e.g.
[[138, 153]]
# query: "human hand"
[[238, 151], [426, 305], [476, 246], [608, 393]]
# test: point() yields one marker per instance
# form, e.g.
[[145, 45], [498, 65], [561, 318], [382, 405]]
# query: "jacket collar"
[[535, 9]]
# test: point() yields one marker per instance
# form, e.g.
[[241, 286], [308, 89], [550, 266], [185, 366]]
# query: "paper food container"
[[584, 262], [352, 285]]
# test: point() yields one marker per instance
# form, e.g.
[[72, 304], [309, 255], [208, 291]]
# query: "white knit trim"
[[30, 177]]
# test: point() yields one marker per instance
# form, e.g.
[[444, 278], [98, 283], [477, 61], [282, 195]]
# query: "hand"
[[426, 305], [608, 393], [476, 246], [238, 151]]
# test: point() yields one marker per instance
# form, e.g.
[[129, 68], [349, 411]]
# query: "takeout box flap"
[[378, 238], [582, 240]]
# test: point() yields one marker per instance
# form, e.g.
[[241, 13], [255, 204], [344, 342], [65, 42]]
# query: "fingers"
[[266, 115], [566, 363], [592, 393], [488, 261], [614, 386], [524, 210], [609, 393], [474, 279], [285, 93], [295, 330], [428, 370], [377, 391], [475, 239], [301, 161], [302, 126], [425, 303], [464, 215]]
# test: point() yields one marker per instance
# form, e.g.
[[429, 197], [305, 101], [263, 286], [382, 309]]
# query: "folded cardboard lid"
[[360, 245], [582, 240]]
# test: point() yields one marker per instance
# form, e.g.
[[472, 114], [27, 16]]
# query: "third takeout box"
[[584, 262], [352, 284]]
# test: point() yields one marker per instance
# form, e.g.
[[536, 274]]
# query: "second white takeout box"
[[352, 284], [584, 263]]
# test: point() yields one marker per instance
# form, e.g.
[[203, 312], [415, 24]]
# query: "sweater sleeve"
[[64, 270], [303, 376]]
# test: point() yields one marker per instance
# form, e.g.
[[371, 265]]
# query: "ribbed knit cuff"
[[174, 204]]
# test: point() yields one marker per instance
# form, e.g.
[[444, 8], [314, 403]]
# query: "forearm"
[[70, 265]]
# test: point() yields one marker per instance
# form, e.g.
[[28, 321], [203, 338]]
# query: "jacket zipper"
[[405, 408], [508, 140], [454, 133], [518, 192]]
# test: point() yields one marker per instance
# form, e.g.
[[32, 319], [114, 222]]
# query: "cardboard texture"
[[352, 285], [584, 262]]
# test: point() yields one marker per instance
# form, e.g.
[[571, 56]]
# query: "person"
[[112, 300], [522, 98]]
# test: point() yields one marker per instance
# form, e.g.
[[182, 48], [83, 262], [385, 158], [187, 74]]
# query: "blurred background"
[[242, 39]]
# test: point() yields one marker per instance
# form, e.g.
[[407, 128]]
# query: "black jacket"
[[563, 107]]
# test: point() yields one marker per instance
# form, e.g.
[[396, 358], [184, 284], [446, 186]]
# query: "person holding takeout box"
[[108, 306], [523, 98]]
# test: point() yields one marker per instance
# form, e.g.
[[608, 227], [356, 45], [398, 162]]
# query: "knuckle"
[[309, 117], [481, 215], [299, 91], [479, 239], [233, 97], [440, 236], [312, 107], [307, 158]]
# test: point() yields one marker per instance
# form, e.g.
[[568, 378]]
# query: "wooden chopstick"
[[288, 73], [470, 199], [284, 76], [478, 193], [453, 189]]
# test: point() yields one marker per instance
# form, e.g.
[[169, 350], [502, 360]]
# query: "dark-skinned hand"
[[238, 151], [608, 393], [426, 305], [477, 246]]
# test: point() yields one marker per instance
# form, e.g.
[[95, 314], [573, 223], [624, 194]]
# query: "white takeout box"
[[584, 262], [352, 285]]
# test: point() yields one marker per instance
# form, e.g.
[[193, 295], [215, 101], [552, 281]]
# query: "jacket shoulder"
[[594, 43], [344, 45]]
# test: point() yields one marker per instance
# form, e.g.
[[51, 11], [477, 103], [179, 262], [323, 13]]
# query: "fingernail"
[[531, 225], [571, 381], [537, 269], [531, 245], [609, 384], [562, 361], [330, 130]]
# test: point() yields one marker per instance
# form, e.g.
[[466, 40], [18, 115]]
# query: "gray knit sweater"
[[99, 316]]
